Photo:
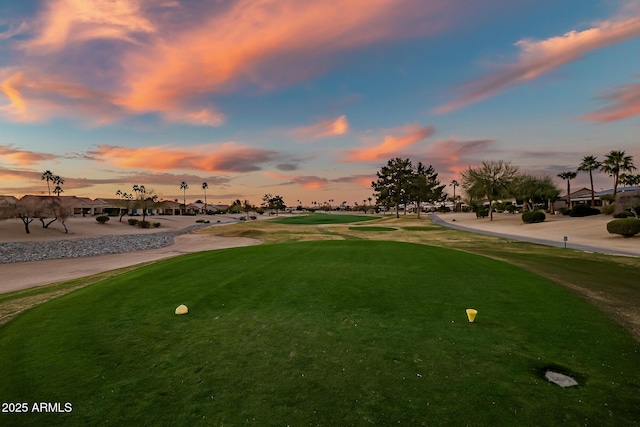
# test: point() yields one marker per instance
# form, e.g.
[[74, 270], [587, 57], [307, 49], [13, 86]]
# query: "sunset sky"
[[308, 99]]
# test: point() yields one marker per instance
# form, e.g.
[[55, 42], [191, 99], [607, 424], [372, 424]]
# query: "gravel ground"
[[76, 248]]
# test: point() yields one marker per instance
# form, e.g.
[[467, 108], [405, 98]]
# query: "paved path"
[[435, 218]]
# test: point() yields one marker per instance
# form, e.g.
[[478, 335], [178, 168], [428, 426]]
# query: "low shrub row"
[[102, 219], [626, 227], [143, 224], [531, 217], [583, 210]]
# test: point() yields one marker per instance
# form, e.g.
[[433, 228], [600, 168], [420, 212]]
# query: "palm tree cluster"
[[615, 164], [54, 179]]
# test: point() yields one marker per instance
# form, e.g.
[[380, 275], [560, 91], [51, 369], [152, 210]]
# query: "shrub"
[[243, 218], [531, 217], [564, 211], [199, 221], [144, 224], [608, 209], [510, 208], [583, 210], [102, 219], [253, 217], [156, 224], [626, 227], [623, 214], [132, 221], [482, 213]]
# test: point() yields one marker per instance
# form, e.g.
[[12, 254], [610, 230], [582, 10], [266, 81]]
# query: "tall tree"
[[426, 186], [49, 177], [532, 189], [184, 186], [454, 184], [589, 164], [489, 181], [276, 202], [204, 187], [144, 199], [568, 175], [393, 186], [615, 163]]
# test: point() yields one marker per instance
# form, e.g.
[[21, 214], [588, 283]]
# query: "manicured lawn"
[[319, 218], [324, 333]]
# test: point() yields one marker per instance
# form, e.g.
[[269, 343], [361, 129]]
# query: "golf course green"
[[331, 333]]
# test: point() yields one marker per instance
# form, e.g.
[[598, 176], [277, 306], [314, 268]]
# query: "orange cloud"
[[66, 21], [625, 103], [453, 155], [21, 157], [267, 43], [323, 129], [391, 145], [538, 57], [33, 99], [227, 157]]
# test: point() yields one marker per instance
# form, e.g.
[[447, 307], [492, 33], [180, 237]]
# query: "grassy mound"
[[318, 218], [329, 333]]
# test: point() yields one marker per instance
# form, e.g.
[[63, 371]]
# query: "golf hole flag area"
[[333, 333]]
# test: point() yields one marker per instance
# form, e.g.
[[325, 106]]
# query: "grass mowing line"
[[318, 218], [336, 334]]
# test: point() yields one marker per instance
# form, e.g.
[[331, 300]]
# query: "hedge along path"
[[619, 298]]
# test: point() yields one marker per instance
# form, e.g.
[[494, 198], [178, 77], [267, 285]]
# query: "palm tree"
[[589, 164], [568, 175], [454, 184], [614, 163], [48, 176], [58, 190], [204, 187], [119, 194], [184, 186]]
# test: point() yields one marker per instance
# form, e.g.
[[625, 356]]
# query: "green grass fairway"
[[319, 218], [332, 333]]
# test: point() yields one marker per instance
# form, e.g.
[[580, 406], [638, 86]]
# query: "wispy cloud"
[[313, 182], [227, 157], [20, 157], [64, 22], [451, 156], [391, 145], [10, 31], [624, 102], [539, 57], [40, 98], [323, 129]]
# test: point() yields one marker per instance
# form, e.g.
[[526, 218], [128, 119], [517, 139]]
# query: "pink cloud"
[[539, 57], [390, 146], [63, 22], [39, 98], [453, 155], [266, 44], [23, 158], [323, 129], [227, 157], [624, 103]]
